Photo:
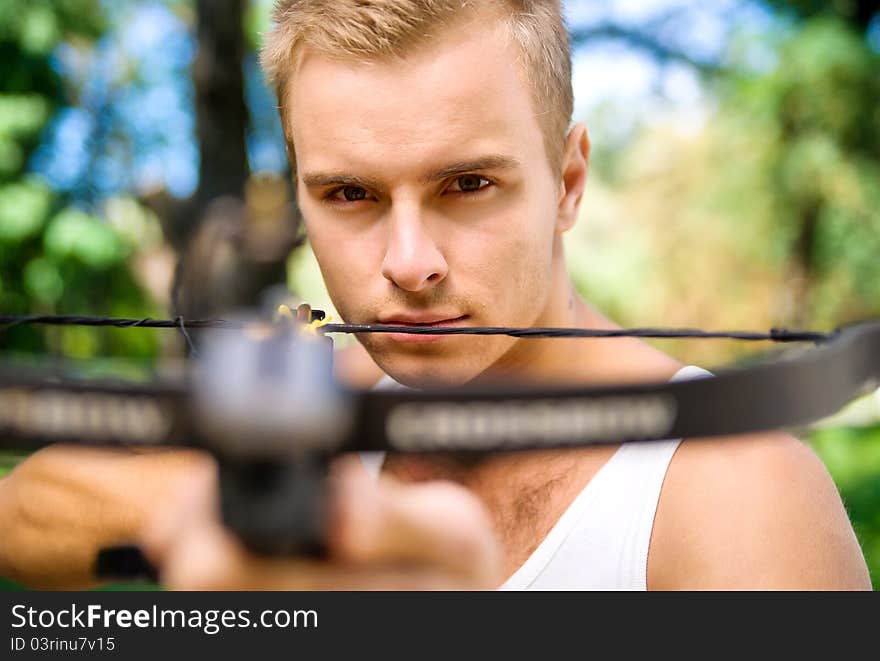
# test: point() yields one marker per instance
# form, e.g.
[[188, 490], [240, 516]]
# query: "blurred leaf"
[[79, 342], [43, 281], [39, 29], [137, 226], [256, 22], [24, 207], [11, 158], [70, 262], [22, 115], [78, 235]]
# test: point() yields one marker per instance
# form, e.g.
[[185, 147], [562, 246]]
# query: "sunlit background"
[[735, 180]]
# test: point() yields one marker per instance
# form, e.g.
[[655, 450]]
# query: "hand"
[[63, 503], [384, 535]]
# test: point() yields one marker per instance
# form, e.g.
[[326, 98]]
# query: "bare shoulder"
[[752, 512]]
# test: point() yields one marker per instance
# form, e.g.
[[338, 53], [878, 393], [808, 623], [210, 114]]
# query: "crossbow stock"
[[263, 400]]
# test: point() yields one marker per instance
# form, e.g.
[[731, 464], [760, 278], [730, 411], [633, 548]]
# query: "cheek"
[[343, 261], [513, 263]]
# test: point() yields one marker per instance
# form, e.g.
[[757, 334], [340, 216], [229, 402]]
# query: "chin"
[[450, 364], [426, 372]]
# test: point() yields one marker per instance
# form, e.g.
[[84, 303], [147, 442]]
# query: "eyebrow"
[[325, 179], [489, 162]]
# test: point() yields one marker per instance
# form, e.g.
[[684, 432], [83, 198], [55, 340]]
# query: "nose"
[[413, 261]]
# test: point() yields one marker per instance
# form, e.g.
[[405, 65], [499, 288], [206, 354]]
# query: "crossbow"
[[262, 399]]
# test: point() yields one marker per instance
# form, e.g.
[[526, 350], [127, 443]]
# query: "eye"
[[350, 194], [469, 183], [347, 194]]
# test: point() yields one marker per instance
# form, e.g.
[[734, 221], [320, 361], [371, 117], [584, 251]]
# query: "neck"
[[556, 360], [526, 492], [577, 361]]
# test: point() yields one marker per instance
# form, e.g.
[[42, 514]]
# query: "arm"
[[752, 512], [62, 504]]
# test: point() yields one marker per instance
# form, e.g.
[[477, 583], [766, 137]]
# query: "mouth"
[[421, 322]]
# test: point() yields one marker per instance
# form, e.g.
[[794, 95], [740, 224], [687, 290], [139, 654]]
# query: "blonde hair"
[[376, 29]]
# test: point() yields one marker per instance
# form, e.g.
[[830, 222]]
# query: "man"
[[436, 173]]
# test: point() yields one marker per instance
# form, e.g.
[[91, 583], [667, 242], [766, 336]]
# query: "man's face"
[[427, 196]]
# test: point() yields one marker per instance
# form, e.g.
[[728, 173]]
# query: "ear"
[[575, 166]]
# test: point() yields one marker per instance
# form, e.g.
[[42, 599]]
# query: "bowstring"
[[773, 335], [118, 322]]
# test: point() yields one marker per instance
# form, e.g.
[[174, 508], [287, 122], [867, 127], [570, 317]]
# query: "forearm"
[[60, 507], [53, 526]]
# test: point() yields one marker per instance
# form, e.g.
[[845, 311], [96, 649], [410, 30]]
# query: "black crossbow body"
[[263, 401]]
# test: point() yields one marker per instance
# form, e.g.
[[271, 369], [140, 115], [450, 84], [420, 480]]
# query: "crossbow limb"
[[265, 403], [280, 386]]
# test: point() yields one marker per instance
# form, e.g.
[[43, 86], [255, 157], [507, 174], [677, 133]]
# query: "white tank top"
[[601, 541]]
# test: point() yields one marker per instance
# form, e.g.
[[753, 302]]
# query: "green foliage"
[[74, 235], [256, 22], [806, 177], [22, 115], [856, 13], [774, 201], [55, 258], [24, 209], [37, 26]]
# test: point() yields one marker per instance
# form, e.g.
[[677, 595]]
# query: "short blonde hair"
[[377, 29]]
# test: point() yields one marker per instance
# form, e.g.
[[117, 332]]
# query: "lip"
[[416, 320]]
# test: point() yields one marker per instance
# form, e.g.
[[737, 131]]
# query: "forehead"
[[464, 92]]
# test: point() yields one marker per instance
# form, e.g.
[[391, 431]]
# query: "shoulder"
[[752, 512]]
